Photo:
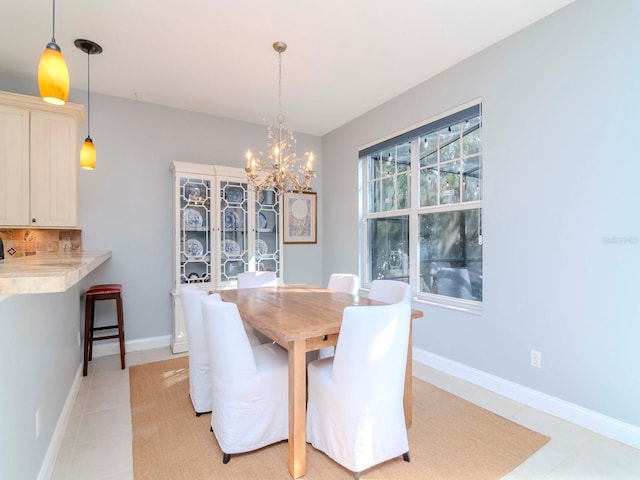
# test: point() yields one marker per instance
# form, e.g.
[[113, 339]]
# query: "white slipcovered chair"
[[340, 282], [344, 282], [390, 291], [254, 280], [355, 410], [199, 369], [249, 384], [257, 279]]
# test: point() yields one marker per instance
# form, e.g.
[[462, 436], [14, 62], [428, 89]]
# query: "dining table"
[[303, 318]]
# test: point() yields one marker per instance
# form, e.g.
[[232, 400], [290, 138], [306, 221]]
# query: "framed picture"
[[300, 218]]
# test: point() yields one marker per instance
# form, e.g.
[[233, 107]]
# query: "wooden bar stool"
[[108, 291]]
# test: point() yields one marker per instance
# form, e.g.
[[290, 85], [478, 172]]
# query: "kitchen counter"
[[47, 272]]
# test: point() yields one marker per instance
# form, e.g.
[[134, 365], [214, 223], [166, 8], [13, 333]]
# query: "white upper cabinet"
[[14, 166], [38, 162], [54, 164]]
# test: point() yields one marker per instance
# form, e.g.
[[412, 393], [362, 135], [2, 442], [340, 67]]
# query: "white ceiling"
[[215, 56]]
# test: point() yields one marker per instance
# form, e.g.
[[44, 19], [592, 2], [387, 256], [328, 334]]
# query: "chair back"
[[390, 291], [230, 353], [344, 282], [257, 279], [371, 353], [199, 368]]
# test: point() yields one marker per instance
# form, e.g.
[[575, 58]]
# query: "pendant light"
[[88, 150], [53, 74]]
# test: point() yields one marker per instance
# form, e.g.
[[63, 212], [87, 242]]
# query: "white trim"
[[589, 419], [35, 103], [102, 349], [179, 168], [458, 304], [46, 469]]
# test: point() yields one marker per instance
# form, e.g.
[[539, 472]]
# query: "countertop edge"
[[51, 273]]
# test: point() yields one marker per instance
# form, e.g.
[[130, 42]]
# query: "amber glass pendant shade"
[[88, 154], [53, 76], [88, 150]]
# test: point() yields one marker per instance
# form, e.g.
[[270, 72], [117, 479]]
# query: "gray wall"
[[40, 358], [560, 103]]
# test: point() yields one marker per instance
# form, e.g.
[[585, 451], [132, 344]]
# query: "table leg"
[[408, 381], [297, 408]]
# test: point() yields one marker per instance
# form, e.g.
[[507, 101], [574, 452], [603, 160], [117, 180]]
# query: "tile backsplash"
[[26, 242]]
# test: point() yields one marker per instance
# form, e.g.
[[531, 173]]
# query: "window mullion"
[[460, 167], [438, 171], [414, 203]]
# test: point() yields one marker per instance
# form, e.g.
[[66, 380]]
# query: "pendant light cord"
[[53, 34], [88, 98]]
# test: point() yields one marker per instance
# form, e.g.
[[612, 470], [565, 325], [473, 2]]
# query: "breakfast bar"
[[48, 272]]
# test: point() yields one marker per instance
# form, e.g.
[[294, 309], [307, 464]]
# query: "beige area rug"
[[450, 438]]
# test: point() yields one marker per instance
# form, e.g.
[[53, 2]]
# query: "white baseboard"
[[102, 349], [594, 421], [49, 462]]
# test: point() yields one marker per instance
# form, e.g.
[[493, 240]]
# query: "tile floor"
[[97, 444]]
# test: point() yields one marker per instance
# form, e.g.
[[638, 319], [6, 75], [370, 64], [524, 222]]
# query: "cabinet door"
[[14, 166], [235, 241], [195, 229], [268, 242], [54, 166]]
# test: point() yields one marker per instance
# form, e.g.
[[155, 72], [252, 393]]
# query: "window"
[[422, 213]]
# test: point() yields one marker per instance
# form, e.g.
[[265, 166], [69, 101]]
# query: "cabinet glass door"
[[234, 228], [195, 230], [267, 247]]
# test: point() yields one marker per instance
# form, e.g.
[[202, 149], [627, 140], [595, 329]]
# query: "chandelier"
[[281, 170]]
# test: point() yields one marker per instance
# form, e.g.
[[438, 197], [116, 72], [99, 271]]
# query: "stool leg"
[[120, 329], [91, 321], [88, 308]]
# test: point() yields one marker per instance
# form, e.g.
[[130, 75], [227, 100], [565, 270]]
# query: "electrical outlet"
[[38, 423], [536, 359]]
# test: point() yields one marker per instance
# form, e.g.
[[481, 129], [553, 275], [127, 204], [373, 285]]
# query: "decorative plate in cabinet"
[[193, 248]]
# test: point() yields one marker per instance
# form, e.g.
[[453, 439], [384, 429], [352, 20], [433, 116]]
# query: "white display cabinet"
[[221, 228]]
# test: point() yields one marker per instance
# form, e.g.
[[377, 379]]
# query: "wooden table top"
[[293, 312]]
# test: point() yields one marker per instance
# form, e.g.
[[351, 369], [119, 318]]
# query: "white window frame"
[[413, 212]]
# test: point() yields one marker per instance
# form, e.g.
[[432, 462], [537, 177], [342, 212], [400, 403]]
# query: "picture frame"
[[300, 218]]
